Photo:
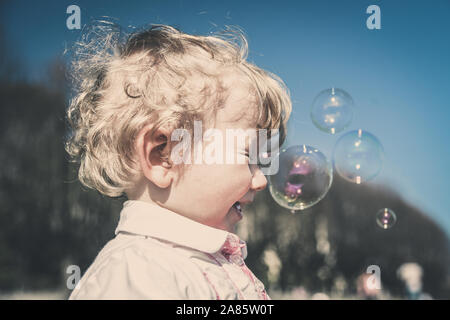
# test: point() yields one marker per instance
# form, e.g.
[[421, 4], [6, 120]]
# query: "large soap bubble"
[[358, 156], [332, 110], [303, 179]]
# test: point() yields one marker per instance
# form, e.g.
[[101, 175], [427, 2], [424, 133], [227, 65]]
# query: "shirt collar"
[[149, 219]]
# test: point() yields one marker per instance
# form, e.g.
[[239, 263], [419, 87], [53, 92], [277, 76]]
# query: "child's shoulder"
[[131, 265], [140, 250]]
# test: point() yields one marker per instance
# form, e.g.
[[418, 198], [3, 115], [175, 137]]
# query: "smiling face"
[[213, 193]]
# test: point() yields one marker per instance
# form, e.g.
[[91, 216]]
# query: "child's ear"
[[153, 151]]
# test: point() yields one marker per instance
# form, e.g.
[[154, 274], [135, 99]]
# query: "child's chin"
[[232, 218]]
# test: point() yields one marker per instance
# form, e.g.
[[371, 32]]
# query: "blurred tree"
[[10, 68], [326, 247], [46, 222]]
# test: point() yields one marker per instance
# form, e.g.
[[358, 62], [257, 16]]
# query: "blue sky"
[[399, 76]]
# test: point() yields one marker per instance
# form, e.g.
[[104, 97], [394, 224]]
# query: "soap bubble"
[[386, 218], [358, 156], [332, 110], [303, 178]]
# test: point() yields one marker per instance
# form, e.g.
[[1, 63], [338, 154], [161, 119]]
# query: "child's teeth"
[[238, 206]]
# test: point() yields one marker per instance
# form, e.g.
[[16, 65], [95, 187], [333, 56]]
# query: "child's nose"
[[259, 181]]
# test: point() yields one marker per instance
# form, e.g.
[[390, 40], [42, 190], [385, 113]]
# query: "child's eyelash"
[[266, 165], [259, 164]]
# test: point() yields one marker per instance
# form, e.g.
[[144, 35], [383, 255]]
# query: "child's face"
[[207, 193]]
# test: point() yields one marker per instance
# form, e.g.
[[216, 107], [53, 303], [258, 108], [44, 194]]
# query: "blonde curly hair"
[[158, 76]]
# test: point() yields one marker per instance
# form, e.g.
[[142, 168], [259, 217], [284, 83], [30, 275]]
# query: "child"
[[175, 238]]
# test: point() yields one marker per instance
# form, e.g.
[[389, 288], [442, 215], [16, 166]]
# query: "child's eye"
[[245, 153], [266, 163]]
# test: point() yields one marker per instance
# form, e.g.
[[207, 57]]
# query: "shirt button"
[[237, 259], [259, 285]]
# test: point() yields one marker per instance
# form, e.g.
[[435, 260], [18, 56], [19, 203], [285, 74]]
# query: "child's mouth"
[[237, 207]]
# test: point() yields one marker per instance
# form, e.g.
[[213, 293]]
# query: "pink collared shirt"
[[158, 254]]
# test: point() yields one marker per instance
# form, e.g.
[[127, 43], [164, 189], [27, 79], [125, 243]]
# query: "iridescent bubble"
[[386, 218], [332, 110], [358, 156], [303, 178]]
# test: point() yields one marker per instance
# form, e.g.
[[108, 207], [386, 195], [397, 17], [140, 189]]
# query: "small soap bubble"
[[386, 218], [358, 156], [332, 110], [303, 178]]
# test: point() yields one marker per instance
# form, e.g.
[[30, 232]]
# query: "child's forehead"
[[240, 109]]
